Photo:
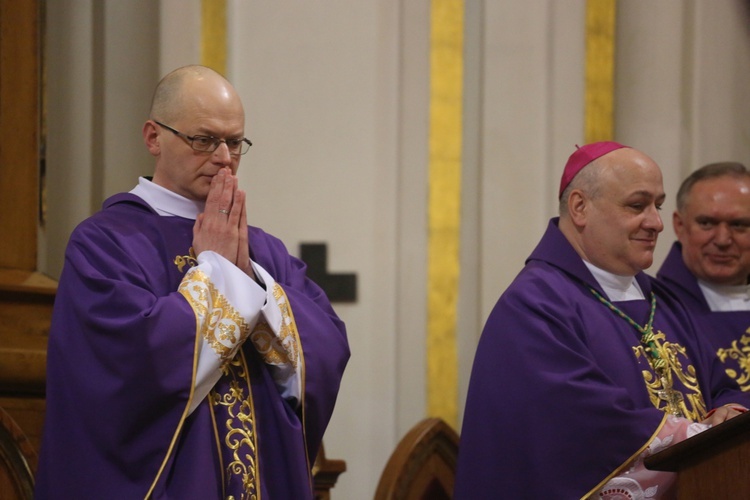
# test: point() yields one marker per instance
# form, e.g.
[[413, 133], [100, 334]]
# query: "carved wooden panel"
[[20, 83]]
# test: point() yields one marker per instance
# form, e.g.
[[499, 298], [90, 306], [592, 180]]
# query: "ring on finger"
[[222, 211]]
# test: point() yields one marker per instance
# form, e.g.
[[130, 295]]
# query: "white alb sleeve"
[[229, 305]]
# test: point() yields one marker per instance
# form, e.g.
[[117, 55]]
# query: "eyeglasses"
[[209, 144]]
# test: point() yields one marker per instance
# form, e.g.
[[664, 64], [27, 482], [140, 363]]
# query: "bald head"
[[590, 178], [611, 211], [189, 103], [186, 88]]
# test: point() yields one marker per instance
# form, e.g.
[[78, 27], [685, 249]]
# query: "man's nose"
[[222, 155], [723, 234], [653, 220]]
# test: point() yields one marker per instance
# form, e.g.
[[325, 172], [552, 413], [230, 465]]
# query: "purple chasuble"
[[122, 348], [727, 331], [558, 399]]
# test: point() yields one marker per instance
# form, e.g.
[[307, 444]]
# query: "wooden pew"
[[423, 465]]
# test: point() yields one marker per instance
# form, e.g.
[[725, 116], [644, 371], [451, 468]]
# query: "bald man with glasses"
[[189, 355]]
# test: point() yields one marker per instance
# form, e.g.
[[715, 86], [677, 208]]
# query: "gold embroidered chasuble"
[[225, 330], [739, 351], [684, 399]]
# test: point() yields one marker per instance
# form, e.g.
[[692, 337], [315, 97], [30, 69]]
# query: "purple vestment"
[[727, 331], [557, 401], [121, 356]]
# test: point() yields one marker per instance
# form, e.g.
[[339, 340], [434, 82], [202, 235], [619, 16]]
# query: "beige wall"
[[101, 62], [336, 95], [321, 86], [682, 69]]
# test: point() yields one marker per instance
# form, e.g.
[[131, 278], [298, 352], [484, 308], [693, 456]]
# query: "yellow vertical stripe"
[[446, 86], [600, 69], [214, 35]]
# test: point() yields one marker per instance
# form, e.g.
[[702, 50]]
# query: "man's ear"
[[678, 224], [151, 138], [578, 206]]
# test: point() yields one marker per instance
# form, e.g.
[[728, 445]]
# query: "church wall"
[[652, 104], [101, 62], [336, 95], [323, 113], [681, 88]]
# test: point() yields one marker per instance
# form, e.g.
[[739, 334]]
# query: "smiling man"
[[189, 355], [586, 365], [709, 265]]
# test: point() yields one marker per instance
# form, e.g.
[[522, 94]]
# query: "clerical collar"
[[166, 202], [724, 298], [618, 288]]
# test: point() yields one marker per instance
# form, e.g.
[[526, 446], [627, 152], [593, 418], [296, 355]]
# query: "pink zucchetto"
[[582, 156]]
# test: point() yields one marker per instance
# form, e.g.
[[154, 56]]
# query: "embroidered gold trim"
[[281, 349], [291, 341], [268, 345], [692, 405], [595, 490], [186, 260], [211, 397], [220, 324], [240, 437], [742, 356], [185, 414]]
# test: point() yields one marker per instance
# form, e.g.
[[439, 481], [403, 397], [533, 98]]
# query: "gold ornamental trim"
[[738, 354], [600, 70], [237, 430], [444, 206], [214, 35], [659, 383], [220, 324]]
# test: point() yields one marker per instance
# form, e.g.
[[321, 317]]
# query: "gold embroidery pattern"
[[240, 436], [281, 349], [268, 345], [186, 260], [659, 387], [742, 356], [220, 324]]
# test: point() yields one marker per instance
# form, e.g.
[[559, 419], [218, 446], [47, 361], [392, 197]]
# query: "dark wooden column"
[[26, 296]]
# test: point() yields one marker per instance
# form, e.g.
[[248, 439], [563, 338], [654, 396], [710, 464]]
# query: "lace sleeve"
[[637, 482]]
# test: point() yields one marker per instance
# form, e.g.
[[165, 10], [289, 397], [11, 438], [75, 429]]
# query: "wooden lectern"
[[713, 464]]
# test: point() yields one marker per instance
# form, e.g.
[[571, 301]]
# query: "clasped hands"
[[222, 227]]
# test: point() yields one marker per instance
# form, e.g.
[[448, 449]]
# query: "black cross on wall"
[[340, 287]]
